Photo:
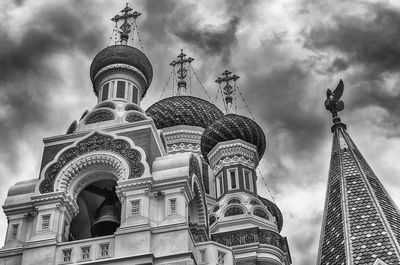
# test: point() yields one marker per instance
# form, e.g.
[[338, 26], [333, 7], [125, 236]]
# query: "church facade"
[[176, 184]]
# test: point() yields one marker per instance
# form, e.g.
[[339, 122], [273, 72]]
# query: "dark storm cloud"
[[372, 40], [372, 43], [213, 41], [26, 74]]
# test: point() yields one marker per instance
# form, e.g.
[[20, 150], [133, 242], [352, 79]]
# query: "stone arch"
[[87, 152], [236, 209], [99, 115], [199, 199], [261, 212], [80, 172]]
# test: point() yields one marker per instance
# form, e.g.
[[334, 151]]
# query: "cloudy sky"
[[286, 52]]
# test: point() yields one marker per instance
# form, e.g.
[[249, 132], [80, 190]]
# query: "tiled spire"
[[361, 223]]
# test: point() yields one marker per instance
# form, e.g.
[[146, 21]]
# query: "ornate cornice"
[[228, 161], [233, 148], [183, 147], [94, 142], [121, 66]]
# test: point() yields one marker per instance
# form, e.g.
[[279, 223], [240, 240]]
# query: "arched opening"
[[197, 215], [99, 211]]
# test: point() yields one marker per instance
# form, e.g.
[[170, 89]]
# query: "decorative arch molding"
[[99, 115], [84, 170], [261, 212], [199, 196], [93, 144], [235, 209]]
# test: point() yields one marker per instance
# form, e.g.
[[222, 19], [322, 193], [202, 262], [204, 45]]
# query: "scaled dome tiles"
[[183, 110], [231, 127], [122, 54]]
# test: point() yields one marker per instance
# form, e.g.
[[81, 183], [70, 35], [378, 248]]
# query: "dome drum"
[[119, 59]]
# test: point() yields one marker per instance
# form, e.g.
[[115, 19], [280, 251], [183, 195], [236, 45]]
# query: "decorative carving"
[[234, 200], [234, 211], [254, 202], [194, 167], [95, 142], [106, 104], [261, 213], [333, 102], [72, 127], [212, 220], [99, 117], [242, 237], [133, 117]]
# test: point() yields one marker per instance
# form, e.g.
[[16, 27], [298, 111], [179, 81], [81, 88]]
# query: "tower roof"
[[361, 222]]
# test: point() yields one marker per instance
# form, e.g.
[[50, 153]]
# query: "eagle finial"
[[333, 102]]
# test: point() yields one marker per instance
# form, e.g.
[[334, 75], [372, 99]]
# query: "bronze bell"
[[106, 218]]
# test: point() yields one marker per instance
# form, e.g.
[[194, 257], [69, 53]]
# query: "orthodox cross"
[[125, 27], [228, 90], [182, 71]]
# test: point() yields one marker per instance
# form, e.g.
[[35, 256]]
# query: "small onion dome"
[[274, 210], [122, 55], [183, 110], [231, 127]]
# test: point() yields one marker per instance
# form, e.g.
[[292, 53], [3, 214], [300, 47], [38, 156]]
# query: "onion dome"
[[125, 58], [183, 110], [231, 127], [274, 210]]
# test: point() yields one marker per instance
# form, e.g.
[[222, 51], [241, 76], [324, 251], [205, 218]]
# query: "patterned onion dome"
[[231, 127], [124, 55], [183, 110]]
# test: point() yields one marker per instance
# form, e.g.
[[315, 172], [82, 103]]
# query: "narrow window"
[[85, 253], [203, 255], [14, 231], [121, 89], [220, 185], [135, 207], [104, 95], [172, 203], [104, 250], [247, 180], [232, 174], [134, 95], [45, 221], [221, 258], [67, 255]]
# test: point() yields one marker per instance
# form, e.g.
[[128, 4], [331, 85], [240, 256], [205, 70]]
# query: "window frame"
[[236, 176], [172, 206], [220, 184], [45, 222], [251, 188], [133, 207]]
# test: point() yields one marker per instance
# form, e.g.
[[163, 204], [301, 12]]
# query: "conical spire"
[[361, 223]]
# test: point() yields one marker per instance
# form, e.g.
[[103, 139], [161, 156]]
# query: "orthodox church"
[[176, 184]]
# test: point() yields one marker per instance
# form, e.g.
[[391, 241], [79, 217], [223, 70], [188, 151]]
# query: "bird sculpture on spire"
[[333, 103]]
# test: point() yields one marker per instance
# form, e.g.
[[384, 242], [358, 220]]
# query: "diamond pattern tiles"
[[370, 216], [183, 110], [368, 236], [332, 250]]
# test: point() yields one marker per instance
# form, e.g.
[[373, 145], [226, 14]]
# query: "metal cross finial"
[[182, 71], [125, 27], [228, 89]]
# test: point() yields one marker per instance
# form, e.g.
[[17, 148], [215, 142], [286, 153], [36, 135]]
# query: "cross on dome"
[[182, 71], [125, 27], [228, 90]]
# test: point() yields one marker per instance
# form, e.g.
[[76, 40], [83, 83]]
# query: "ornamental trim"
[[121, 65], [92, 143], [65, 178], [228, 161]]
